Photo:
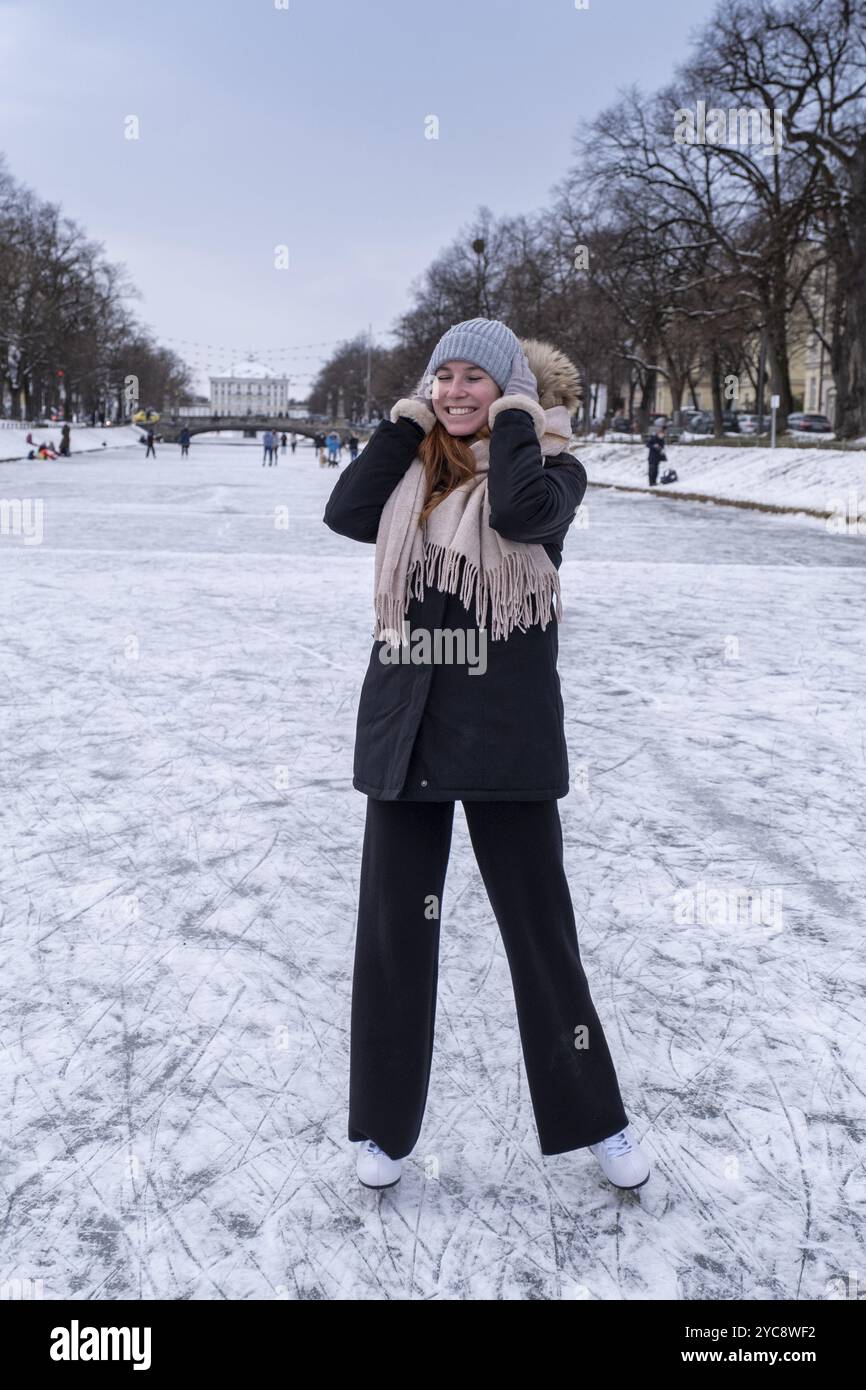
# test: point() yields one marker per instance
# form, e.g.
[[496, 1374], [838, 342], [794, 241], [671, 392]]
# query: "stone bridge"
[[169, 426]]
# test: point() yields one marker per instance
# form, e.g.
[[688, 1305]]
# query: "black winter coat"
[[656, 449], [435, 732]]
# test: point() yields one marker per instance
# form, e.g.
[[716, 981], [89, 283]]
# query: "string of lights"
[[237, 351], [253, 352], [220, 359]]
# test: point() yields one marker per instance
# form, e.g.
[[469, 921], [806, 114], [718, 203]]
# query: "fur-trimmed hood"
[[558, 378], [559, 393]]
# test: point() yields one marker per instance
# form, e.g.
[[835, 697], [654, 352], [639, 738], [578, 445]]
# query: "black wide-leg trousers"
[[518, 847]]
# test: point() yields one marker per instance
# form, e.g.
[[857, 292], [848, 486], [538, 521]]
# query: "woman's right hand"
[[522, 381], [424, 389], [418, 406]]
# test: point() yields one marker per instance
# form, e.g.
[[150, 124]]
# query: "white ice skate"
[[622, 1158], [375, 1167]]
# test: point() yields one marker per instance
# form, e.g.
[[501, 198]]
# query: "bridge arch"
[[168, 427]]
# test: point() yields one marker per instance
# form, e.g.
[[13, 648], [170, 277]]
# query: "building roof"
[[250, 368]]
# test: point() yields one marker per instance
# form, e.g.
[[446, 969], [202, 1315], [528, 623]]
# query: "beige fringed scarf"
[[516, 581]]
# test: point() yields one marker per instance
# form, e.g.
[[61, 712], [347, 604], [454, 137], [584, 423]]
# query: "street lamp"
[[478, 246]]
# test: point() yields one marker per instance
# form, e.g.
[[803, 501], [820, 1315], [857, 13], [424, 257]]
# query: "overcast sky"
[[261, 126]]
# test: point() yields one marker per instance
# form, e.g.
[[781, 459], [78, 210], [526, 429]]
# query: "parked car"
[[689, 416], [700, 422], [620, 424], [800, 423], [673, 433], [749, 424], [704, 422]]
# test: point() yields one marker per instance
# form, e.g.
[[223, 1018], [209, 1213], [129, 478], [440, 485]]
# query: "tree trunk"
[[777, 345], [676, 386], [648, 391], [848, 353], [716, 383]]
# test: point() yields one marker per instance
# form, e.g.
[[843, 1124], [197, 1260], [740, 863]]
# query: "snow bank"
[[13, 442], [821, 480]]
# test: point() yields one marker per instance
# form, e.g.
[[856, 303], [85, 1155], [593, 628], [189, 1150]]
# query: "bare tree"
[[808, 60]]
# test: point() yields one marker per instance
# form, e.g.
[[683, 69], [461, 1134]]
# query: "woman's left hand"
[[521, 382]]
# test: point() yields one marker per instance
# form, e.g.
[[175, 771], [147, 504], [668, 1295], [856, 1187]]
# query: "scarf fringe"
[[517, 595]]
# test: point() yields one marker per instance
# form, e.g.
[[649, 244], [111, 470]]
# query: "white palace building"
[[250, 389]]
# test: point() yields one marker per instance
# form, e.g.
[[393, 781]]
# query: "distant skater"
[[656, 453], [150, 450]]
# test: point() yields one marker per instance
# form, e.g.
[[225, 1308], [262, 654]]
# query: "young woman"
[[467, 492]]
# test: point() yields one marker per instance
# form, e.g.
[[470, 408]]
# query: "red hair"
[[448, 461]]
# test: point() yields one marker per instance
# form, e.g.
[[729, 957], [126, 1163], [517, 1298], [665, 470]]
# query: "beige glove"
[[418, 406]]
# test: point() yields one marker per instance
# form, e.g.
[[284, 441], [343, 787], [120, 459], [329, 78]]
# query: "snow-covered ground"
[[82, 439], [824, 480], [182, 654]]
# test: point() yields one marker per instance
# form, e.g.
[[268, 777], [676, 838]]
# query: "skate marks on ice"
[[181, 849]]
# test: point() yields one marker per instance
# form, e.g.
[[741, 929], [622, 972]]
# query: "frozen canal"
[[180, 857]]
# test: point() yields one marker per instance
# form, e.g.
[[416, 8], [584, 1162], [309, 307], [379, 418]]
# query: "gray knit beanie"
[[486, 342]]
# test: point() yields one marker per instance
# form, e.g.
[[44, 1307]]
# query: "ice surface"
[[180, 856]]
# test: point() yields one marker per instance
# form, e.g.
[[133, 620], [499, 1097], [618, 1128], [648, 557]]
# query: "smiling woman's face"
[[462, 396]]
